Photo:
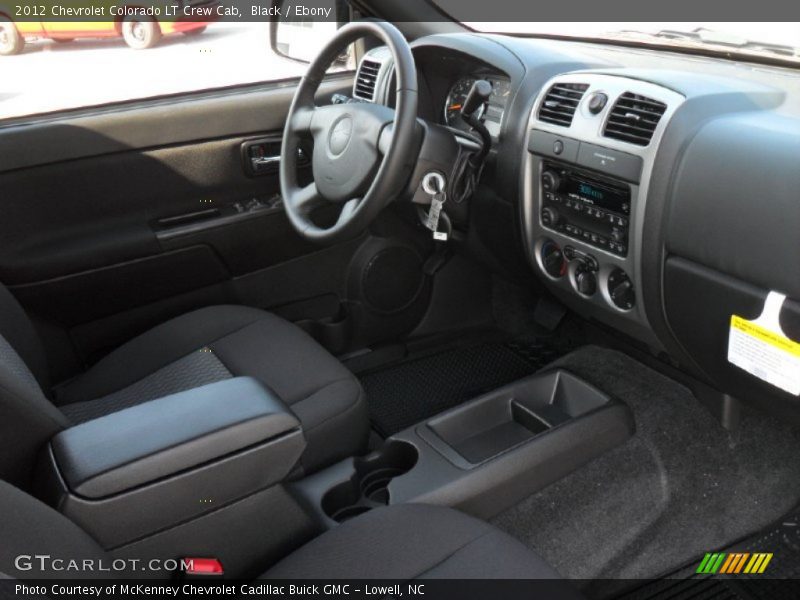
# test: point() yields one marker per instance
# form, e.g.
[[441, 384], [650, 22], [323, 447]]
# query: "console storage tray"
[[488, 454], [498, 422]]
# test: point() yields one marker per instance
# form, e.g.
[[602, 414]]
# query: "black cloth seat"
[[413, 541], [195, 349], [406, 541]]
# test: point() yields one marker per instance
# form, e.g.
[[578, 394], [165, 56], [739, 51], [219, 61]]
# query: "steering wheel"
[[362, 151]]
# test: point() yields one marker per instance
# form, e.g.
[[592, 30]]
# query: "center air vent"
[[634, 119], [366, 79], [560, 103]]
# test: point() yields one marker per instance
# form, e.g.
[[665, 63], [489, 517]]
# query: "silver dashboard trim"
[[587, 127]]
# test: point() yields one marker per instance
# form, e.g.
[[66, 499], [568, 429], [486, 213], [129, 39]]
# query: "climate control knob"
[[585, 279], [620, 289], [553, 261], [550, 181]]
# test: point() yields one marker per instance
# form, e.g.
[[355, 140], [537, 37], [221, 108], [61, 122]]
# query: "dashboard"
[[654, 192]]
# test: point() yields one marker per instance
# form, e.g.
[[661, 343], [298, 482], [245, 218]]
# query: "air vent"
[[634, 119], [560, 103], [366, 79]]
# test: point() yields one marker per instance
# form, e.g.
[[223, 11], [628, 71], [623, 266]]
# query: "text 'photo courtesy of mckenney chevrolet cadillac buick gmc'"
[[400, 299]]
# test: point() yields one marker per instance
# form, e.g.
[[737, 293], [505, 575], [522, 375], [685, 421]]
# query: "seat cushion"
[[31, 528], [219, 342], [405, 542], [413, 541]]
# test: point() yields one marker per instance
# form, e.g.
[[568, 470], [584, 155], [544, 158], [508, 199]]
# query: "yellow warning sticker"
[[777, 340], [760, 348]]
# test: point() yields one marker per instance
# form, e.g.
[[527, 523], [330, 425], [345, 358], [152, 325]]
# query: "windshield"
[[773, 40]]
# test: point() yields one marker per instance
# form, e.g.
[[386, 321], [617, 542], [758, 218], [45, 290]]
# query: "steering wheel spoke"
[[348, 210], [385, 139], [307, 199]]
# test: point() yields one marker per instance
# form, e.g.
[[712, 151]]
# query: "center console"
[[591, 143], [481, 457], [184, 474]]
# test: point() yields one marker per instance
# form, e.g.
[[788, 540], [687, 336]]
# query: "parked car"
[[139, 31]]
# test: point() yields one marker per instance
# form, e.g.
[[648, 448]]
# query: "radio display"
[[584, 189], [616, 199]]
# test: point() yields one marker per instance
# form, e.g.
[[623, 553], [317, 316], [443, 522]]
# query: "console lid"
[[149, 468], [169, 435]]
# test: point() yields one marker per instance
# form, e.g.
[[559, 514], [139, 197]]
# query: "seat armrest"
[[170, 435]]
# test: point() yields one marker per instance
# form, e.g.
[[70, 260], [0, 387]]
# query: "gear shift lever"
[[477, 97]]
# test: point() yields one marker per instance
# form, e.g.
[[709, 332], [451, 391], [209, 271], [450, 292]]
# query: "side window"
[[69, 63]]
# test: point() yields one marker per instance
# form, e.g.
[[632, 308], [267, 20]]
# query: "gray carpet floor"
[[681, 486], [406, 393]]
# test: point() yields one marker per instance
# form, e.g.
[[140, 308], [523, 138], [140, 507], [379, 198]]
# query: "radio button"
[[550, 181], [544, 144], [549, 216], [617, 248]]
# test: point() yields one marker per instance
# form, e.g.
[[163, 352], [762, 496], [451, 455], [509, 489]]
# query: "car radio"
[[586, 207]]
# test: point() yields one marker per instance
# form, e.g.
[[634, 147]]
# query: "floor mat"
[[772, 557], [680, 487], [404, 394]]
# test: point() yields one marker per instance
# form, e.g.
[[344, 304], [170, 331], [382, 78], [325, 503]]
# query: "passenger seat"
[[401, 542]]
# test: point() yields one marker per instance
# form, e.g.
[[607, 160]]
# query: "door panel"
[[116, 221], [89, 213]]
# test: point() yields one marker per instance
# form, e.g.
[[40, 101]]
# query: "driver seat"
[[195, 349]]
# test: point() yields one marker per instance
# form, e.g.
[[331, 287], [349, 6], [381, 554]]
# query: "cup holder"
[[368, 487]]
